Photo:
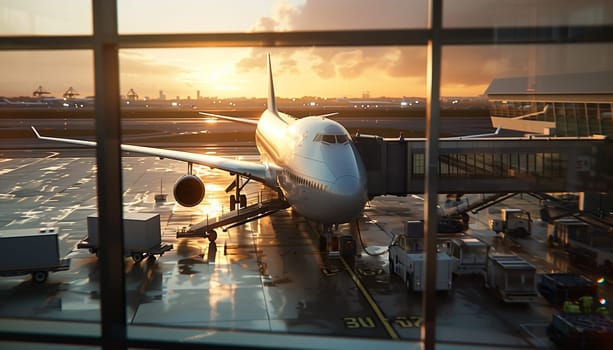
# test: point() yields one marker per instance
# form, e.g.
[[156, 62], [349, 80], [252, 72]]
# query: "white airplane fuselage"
[[318, 169]]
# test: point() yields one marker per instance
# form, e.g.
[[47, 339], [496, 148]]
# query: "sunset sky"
[[325, 72]]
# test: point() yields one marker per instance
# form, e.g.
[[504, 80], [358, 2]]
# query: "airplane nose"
[[350, 193], [346, 186]]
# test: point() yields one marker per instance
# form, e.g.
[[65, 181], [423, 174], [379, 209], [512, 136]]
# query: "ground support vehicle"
[[560, 232], [406, 259], [468, 255], [560, 287], [31, 251], [583, 243], [581, 331], [142, 236], [514, 222], [512, 277]]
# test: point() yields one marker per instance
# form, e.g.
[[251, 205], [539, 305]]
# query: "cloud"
[[367, 14], [470, 68], [479, 65]]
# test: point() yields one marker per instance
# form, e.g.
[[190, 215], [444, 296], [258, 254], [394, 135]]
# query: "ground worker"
[[587, 302], [571, 307], [602, 311]]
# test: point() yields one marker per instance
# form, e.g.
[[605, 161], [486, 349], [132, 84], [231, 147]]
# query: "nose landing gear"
[[333, 243]]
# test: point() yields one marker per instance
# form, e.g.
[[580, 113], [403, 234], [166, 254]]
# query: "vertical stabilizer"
[[272, 103]]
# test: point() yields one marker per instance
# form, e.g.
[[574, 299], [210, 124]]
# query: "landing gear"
[[232, 202], [332, 243], [237, 198], [137, 257], [40, 276]]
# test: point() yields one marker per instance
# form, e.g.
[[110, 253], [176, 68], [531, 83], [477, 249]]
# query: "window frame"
[[105, 42]]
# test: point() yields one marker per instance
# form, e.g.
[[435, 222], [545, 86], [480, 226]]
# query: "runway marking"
[[388, 327], [359, 322], [408, 322]]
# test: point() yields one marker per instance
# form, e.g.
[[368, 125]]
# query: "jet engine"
[[189, 190]]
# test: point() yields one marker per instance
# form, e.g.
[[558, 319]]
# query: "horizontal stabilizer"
[[326, 115]]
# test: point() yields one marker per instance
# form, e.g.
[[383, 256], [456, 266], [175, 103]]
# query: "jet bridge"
[[489, 165]]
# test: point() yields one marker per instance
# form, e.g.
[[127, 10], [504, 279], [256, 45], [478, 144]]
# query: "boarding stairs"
[[233, 218]]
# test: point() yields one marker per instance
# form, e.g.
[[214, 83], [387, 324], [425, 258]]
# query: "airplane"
[[311, 162]]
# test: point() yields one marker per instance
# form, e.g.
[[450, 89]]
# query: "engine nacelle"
[[189, 190]]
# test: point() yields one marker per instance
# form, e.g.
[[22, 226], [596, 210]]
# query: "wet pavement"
[[264, 276]]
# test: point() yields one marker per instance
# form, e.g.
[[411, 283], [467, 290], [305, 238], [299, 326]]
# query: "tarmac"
[[267, 276]]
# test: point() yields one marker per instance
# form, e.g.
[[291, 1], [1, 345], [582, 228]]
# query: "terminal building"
[[557, 105], [568, 119]]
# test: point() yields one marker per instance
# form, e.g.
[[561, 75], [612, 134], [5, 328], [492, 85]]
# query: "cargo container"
[[468, 255], [581, 331], [560, 287], [512, 277], [142, 235], [32, 251]]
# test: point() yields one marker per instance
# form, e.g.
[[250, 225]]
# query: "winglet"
[[35, 131], [272, 103]]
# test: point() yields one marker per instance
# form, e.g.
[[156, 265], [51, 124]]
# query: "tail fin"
[[272, 103]]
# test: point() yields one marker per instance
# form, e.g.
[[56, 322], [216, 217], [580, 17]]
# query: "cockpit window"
[[341, 138], [330, 138]]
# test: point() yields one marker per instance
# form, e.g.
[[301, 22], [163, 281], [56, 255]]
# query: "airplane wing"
[[234, 119], [257, 171]]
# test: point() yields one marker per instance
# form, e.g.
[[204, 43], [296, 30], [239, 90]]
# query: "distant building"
[[162, 95], [561, 105]]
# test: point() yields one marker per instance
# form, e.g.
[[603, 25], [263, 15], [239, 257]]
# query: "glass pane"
[[39, 17], [323, 74], [512, 13], [46, 192], [532, 88], [220, 286], [190, 16]]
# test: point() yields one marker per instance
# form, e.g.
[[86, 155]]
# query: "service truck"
[[468, 255], [514, 222], [512, 277], [561, 231], [406, 259], [32, 251], [141, 236]]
